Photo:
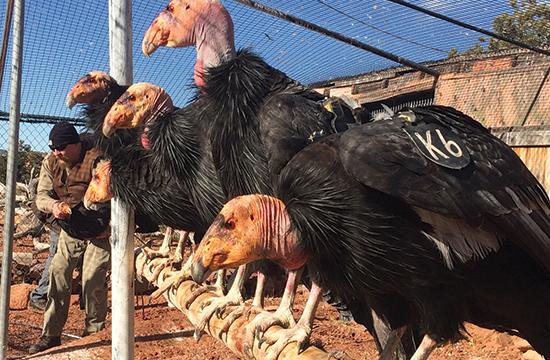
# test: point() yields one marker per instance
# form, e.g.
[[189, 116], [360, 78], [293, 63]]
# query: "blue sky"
[[66, 39]]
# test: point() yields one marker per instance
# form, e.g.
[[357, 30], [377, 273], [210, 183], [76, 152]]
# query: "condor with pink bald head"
[[377, 220], [258, 118], [204, 23], [131, 176], [127, 171], [97, 91]]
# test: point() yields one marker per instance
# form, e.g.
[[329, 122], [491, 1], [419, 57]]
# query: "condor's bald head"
[[90, 89], [141, 103]]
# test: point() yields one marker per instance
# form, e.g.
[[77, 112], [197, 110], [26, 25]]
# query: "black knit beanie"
[[62, 134]]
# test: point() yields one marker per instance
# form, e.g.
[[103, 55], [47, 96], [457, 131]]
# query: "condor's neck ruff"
[[236, 90]]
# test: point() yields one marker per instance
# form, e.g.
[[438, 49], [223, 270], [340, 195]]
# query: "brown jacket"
[[69, 184]]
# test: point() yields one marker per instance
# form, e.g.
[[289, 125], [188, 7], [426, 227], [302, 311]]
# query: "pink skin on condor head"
[[141, 103], [203, 23]]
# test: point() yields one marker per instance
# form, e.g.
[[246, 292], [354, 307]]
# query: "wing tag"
[[439, 145]]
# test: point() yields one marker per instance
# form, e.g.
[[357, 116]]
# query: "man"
[[66, 173]]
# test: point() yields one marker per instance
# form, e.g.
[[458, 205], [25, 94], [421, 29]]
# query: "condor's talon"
[[240, 311], [158, 270], [197, 334], [206, 303], [247, 350], [256, 329], [277, 343], [158, 292], [212, 306], [194, 295], [224, 303], [231, 318], [220, 311], [181, 277], [261, 329], [179, 280], [151, 254], [173, 282], [166, 285], [261, 340], [218, 306]]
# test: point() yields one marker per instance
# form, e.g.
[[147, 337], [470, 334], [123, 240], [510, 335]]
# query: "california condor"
[[427, 217]]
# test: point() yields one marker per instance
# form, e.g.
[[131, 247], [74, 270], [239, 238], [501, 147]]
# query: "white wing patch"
[[454, 238], [443, 249]]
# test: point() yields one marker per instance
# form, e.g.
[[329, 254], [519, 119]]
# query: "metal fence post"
[[15, 101], [122, 216]]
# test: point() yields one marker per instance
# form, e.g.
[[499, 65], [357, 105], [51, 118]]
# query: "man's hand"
[[61, 210]]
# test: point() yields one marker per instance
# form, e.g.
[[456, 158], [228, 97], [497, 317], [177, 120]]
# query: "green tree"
[[528, 23], [27, 159]]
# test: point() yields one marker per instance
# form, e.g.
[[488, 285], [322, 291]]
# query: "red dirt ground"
[[164, 332]]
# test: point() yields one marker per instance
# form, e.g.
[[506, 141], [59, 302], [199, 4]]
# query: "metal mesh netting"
[[65, 40]]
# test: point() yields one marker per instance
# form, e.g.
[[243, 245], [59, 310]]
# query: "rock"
[[40, 246], [522, 345], [532, 355], [504, 339], [19, 296], [21, 258]]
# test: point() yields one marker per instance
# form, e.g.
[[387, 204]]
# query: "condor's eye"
[[230, 224], [131, 97], [170, 7]]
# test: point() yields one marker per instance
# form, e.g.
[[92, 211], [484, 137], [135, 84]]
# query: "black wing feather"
[[496, 186]]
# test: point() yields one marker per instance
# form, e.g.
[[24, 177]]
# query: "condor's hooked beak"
[[159, 33], [119, 117], [199, 272], [92, 88], [156, 36], [140, 103], [211, 255], [175, 26]]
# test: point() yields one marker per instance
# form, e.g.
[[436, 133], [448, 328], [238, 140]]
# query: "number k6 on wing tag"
[[439, 145]]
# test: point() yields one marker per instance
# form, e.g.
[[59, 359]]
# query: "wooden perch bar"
[[234, 337]]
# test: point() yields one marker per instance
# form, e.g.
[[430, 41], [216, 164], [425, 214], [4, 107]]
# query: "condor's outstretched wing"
[[440, 160]]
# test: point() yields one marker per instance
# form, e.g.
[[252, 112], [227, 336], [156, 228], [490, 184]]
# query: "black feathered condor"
[[427, 217]]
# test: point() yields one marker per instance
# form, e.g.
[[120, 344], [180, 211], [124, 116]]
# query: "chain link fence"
[[65, 40]]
